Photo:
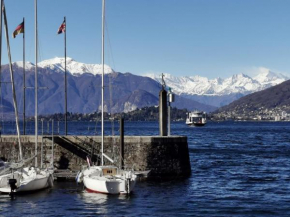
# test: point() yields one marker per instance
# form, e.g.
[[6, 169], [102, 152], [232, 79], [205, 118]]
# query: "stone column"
[[122, 142], [163, 112]]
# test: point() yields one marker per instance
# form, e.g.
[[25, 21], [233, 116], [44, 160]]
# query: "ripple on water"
[[238, 169]]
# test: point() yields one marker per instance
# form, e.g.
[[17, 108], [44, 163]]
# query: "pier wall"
[[164, 156]]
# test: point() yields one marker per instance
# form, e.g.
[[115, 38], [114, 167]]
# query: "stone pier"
[[164, 156]]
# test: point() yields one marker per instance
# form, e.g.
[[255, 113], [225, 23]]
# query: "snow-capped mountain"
[[267, 77], [240, 83], [75, 68], [126, 93], [187, 85], [214, 92], [28, 65]]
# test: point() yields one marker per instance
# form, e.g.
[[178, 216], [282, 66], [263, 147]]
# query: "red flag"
[[61, 29], [89, 161]]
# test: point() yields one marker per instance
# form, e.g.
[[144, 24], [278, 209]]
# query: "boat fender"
[[51, 180], [79, 177], [127, 186]]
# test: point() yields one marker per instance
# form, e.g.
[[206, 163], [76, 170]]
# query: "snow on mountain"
[[57, 64], [266, 77], [186, 85], [28, 65], [240, 83]]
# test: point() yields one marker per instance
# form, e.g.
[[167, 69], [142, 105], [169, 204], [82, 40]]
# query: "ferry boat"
[[196, 118]]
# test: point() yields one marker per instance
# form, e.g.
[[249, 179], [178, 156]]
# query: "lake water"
[[238, 169]]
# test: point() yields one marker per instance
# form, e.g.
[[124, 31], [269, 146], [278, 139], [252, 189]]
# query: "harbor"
[[111, 168], [189, 119], [164, 157]]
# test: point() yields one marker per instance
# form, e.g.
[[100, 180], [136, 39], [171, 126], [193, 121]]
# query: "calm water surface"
[[238, 169]]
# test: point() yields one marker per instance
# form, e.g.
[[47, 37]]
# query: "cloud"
[[254, 71]]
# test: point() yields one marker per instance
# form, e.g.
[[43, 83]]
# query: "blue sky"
[[212, 38]]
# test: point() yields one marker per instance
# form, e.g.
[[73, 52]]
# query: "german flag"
[[19, 29]]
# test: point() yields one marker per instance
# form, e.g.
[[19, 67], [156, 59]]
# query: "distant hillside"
[[273, 100], [142, 114]]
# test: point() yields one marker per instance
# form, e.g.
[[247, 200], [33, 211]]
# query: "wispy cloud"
[[254, 71]]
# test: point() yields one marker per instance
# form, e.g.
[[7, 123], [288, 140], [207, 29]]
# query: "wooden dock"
[[65, 174]]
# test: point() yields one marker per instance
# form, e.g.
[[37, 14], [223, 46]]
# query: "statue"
[[163, 84]]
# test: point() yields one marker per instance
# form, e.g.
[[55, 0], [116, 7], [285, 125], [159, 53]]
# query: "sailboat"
[[24, 179], [106, 179]]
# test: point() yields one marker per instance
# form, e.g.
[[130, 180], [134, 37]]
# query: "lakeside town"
[[151, 114], [261, 114]]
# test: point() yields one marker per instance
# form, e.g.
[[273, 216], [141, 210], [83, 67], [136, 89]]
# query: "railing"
[[83, 128], [75, 147]]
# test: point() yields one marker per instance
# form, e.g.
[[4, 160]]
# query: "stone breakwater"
[[163, 156]]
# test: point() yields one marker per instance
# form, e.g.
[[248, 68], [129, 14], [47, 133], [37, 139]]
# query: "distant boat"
[[196, 118]]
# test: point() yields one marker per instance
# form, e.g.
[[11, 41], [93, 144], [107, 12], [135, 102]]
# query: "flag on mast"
[[19, 29], [61, 29], [89, 161]]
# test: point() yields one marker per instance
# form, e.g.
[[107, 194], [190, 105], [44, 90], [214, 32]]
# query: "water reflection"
[[23, 203], [4, 198], [101, 203], [94, 198]]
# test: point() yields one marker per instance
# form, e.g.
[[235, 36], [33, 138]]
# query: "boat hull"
[[117, 186], [27, 184], [35, 185], [107, 180], [196, 124], [101, 186]]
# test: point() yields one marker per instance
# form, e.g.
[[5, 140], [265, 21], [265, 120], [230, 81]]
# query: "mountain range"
[[124, 92], [219, 92]]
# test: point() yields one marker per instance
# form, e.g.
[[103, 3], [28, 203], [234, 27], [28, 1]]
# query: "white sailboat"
[[25, 179], [106, 179]]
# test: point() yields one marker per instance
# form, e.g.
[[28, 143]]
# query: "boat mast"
[[1, 23], [12, 81], [103, 63], [36, 85], [24, 123], [65, 79]]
